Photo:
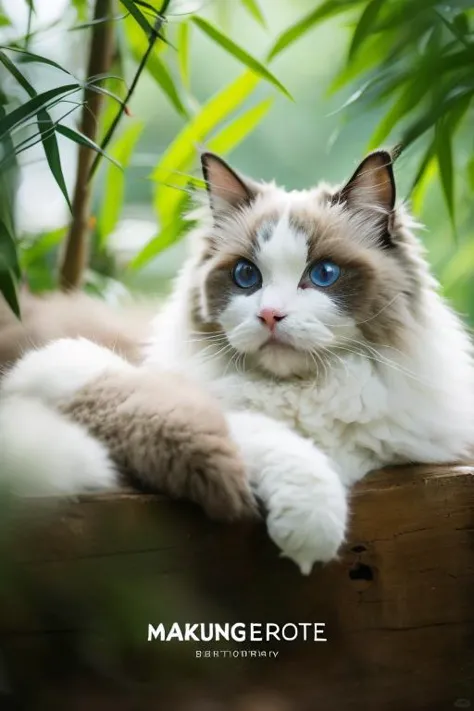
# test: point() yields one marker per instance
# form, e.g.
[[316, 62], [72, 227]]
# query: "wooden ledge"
[[398, 606]]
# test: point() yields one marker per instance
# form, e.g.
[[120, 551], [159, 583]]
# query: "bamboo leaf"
[[255, 10], [41, 246], [184, 33], [114, 188], [161, 74], [233, 134], [27, 56], [81, 8], [364, 26], [444, 155], [179, 155], [155, 65], [82, 140], [429, 118], [51, 149], [410, 96], [239, 53], [470, 172], [46, 128], [31, 107], [8, 287], [139, 18], [162, 241], [295, 32], [16, 74]]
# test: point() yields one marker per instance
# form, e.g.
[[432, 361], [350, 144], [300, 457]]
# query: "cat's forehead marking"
[[284, 249]]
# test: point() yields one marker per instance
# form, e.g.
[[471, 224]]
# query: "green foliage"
[[413, 58], [410, 59], [223, 121]]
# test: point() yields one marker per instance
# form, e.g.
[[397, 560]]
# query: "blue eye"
[[324, 273], [246, 275]]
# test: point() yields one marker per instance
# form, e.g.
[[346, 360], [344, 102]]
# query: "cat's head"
[[290, 277]]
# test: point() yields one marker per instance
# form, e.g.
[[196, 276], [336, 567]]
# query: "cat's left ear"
[[372, 185], [227, 189], [371, 190]]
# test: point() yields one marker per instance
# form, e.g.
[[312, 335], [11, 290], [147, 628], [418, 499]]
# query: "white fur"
[[368, 410], [307, 511], [60, 369], [41, 451]]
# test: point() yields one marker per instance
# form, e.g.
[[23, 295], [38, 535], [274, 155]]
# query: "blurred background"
[[291, 90], [104, 106]]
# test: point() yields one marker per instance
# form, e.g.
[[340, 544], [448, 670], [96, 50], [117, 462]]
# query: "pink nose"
[[270, 317]]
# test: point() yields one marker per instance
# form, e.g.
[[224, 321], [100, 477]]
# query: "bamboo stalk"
[[75, 255]]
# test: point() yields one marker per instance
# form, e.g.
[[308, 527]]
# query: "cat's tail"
[[42, 453]]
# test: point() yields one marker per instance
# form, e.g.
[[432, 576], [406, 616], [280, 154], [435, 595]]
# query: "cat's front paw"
[[306, 510]]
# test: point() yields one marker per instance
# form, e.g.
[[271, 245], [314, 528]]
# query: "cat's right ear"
[[226, 189]]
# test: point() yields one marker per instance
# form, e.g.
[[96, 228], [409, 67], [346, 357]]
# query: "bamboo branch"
[[154, 35], [100, 62]]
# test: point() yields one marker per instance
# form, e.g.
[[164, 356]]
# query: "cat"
[[313, 318]]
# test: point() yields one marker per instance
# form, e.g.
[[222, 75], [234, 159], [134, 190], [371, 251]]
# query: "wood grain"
[[87, 578]]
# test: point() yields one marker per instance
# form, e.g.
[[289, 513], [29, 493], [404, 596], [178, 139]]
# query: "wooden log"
[[398, 606]]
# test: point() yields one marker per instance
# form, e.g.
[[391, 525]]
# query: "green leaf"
[[51, 149], [8, 64], [31, 253], [8, 252], [470, 172], [31, 107], [184, 32], [444, 155], [46, 128], [239, 53], [364, 26], [427, 172], [4, 21], [180, 153], [162, 241], [82, 140], [139, 18], [114, 189], [26, 57], [429, 118], [155, 65], [161, 74], [254, 9], [459, 267], [408, 98], [295, 32], [8, 287], [81, 9], [233, 134]]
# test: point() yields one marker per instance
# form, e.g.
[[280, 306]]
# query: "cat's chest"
[[327, 412]]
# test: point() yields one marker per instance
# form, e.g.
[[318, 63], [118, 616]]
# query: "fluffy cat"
[[313, 318]]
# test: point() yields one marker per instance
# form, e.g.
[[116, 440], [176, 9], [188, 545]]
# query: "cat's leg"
[[305, 500]]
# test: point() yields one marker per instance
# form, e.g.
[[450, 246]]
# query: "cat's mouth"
[[275, 342]]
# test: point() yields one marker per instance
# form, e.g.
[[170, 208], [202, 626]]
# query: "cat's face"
[[292, 277]]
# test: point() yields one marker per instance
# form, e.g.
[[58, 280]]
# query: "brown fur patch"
[[375, 286], [55, 315], [167, 435]]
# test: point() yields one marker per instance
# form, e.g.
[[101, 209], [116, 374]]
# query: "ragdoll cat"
[[312, 316]]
